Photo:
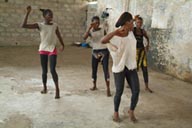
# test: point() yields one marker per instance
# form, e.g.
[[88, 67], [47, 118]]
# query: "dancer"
[[100, 52], [142, 50], [49, 32], [122, 48]]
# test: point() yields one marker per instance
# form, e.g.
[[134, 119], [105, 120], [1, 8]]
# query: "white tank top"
[[48, 36], [95, 39], [123, 52]]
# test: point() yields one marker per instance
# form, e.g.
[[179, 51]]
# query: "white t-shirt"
[[48, 36], [123, 52], [95, 39]]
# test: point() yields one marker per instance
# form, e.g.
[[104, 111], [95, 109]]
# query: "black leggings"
[[44, 65], [145, 74], [105, 63], [133, 81], [119, 84]]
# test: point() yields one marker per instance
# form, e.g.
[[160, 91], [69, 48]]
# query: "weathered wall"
[[69, 14], [115, 9], [169, 27]]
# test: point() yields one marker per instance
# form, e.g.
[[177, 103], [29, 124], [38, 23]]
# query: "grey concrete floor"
[[22, 105]]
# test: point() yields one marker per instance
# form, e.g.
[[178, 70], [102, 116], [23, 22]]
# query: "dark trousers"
[[104, 61], [133, 81], [119, 84], [44, 65], [145, 74]]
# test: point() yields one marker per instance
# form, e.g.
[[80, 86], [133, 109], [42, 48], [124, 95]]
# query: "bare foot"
[[108, 92], [93, 88], [116, 117], [149, 90], [132, 116], [57, 96], [44, 91]]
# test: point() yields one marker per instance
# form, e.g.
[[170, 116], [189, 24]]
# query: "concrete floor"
[[22, 105]]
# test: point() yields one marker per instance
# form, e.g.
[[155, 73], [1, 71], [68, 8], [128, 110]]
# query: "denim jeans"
[[119, 84]]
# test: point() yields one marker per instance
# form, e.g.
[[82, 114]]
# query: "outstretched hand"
[[62, 48], [29, 9]]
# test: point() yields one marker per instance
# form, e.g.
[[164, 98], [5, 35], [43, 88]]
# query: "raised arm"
[[25, 24], [87, 33], [118, 32], [60, 39], [108, 37]]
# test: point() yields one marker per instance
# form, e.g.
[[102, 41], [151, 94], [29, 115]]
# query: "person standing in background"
[[100, 52], [142, 49]]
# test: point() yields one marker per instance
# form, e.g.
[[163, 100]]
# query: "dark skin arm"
[[108, 37], [87, 33], [146, 36], [25, 24], [118, 32], [60, 39]]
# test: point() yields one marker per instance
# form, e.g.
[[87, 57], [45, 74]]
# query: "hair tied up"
[[42, 10], [126, 16]]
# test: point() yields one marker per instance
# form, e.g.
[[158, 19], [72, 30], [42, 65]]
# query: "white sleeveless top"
[[48, 36], [123, 52], [95, 38]]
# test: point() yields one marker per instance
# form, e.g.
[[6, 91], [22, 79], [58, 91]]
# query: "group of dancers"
[[125, 45]]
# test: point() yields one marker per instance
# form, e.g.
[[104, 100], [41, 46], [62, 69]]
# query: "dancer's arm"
[[146, 36], [108, 37], [60, 39], [118, 32], [25, 24], [87, 33]]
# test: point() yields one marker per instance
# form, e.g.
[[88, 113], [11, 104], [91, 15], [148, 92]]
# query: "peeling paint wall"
[[168, 24]]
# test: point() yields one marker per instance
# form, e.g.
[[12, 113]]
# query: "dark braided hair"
[[45, 11], [126, 16]]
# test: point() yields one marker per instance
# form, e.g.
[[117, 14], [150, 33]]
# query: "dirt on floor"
[[23, 106]]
